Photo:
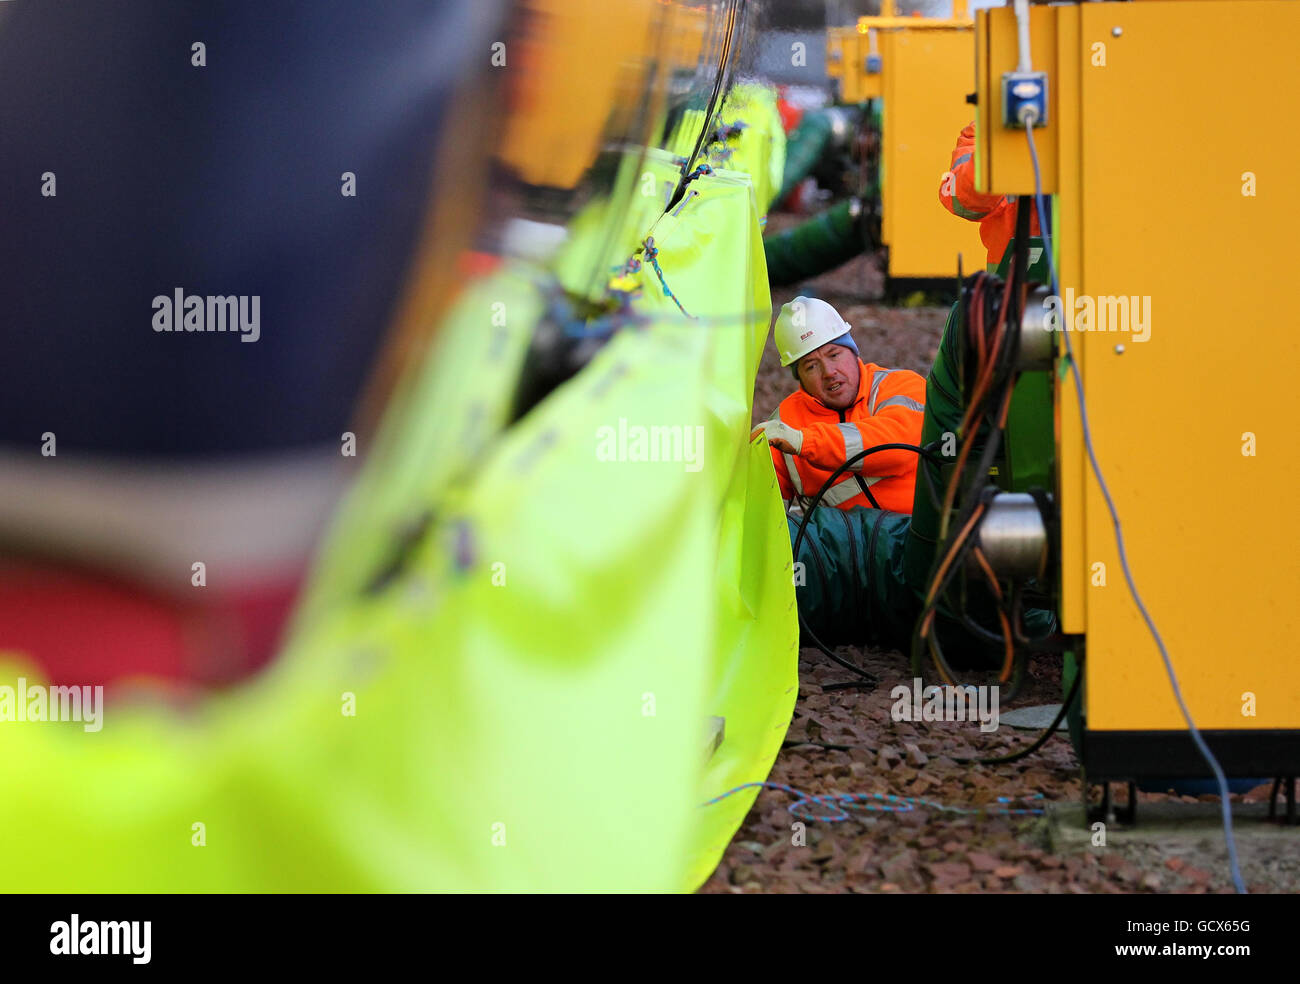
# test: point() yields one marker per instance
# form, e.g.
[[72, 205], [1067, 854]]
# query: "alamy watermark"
[[933, 703], [635, 442], [39, 703], [222, 312], [72, 937], [1126, 313]]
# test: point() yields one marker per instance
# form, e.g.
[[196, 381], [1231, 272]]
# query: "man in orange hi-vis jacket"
[[843, 406], [996, 214]]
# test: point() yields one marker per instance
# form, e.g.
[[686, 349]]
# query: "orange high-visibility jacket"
[[996, 214], [889, 409]]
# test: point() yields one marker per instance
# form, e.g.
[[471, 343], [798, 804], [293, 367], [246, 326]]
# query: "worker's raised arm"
[[957, 187]]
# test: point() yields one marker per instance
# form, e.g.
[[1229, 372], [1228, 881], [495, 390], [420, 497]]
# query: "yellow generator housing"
[[1175, 219], [920, 68]]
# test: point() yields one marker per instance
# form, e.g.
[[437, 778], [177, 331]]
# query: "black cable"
[[842, 685], [1038, 742], [826, 650], [866, 679], [831, 746], [816, 500], [803, 526], [976, 629], [724, 68], [930, 490], [866, 490], [1002, 377], [959, 558], [1043, 738]]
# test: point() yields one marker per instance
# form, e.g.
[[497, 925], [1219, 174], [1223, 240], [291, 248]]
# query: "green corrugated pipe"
[[803, 149], [850, 588], [820, 244]]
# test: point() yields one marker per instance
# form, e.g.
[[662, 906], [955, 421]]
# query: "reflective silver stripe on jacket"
[[846, 489], [852, 445], [877, 378], [795, 480], [902, 401]]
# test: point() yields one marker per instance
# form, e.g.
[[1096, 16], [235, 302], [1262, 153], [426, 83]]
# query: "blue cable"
[[1203, 748], [872, 803], [652, 254]]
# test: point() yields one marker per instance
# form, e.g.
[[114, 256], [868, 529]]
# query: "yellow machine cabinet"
[[920, 67], [1175, 208], [847, 51], [927, 75]]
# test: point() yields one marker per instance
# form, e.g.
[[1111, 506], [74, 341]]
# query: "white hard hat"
[[804, 324]]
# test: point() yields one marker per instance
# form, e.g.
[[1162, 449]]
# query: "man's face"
[[830, 375]]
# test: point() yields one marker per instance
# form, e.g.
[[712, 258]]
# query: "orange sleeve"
[[958, 193]]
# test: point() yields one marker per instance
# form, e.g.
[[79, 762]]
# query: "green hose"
[[820, 244], [850, 586]]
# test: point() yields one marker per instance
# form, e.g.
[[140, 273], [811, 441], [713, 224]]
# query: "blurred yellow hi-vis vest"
[[502, 674]]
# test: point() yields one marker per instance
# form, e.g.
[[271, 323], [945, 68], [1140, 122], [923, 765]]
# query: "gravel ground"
[[927, 849]]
